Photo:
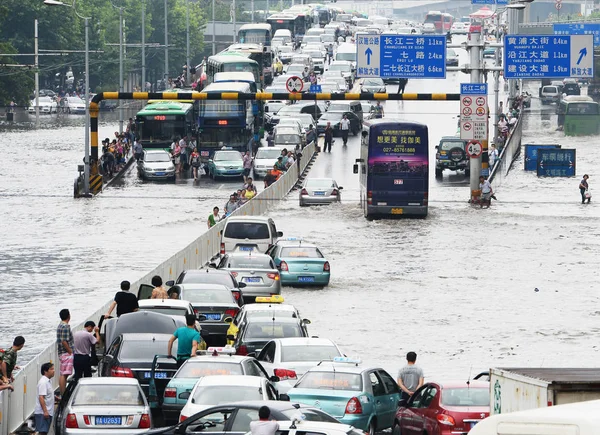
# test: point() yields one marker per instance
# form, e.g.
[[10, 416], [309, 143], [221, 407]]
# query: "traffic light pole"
[[474, 45]]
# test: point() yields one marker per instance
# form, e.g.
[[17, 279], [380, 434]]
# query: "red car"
[[443, 409]]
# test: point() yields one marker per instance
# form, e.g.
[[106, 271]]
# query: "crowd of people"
[[115, 152]]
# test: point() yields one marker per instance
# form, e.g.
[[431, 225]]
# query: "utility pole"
[[233, 18], [121, 113], [513, 26], [252, 8], [187, 42], [143, 45], [474, 48], [214, 42], [267, 11], [166, 46], [37, 76]]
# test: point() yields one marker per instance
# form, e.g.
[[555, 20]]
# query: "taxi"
[[217, 361], [365, 398], [226, 163], [300, 263]]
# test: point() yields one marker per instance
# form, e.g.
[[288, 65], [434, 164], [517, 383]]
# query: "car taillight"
[[284, 374], [425, 198], [182, 418], [235, 274], [196, 311], [236, 294], [242, 350], [144, 422], [326, 267], [274, 276], [71, 422], [369, 197], [121, 372], [170, 392], [353, 406], [448, 420], [334, 192], [303, 192], [222, 248], [86, 420], [283, 266], [231, 312]]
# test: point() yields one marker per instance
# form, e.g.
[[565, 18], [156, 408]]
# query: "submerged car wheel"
[[439, 173], [396, 428], [372, 427]]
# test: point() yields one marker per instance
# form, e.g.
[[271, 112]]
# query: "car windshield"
[[450, 52], [143, 350], [329, 87], [448, 145], [331, 381], [216, 394], [287, 138], [203, 277], [373, 82], [309, 415], [300, 252], [75, 100], [266, 153], [293, 109], [198, 369], [295, 69], [107, 395], [327, 37], [45, 100], [308, 353], [319, 182], [157, 157], [331, 116], [169, 311], [346, 56], [249, 262], [333, 107], [550, 89], [258, 330], [343, 68], [285, 49], [466, 397], [227, 156], [247, 230], [207, 296]]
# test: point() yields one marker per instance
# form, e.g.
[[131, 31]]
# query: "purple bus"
[[394, 169]]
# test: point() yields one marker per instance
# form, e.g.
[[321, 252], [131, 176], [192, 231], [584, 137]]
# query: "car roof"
[[150, 151], [250, 254], [202, 286], [461, 384], [174, 303], [288, 243], [452, 138], [277, 321], [304, 341], [278, 405], [145, 336], [261, 219], [207, 269], [107, 381], [329, 366], [222, 359], [235, 380], [268, 307]]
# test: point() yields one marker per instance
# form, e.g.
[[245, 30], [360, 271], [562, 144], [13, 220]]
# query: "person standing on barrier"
[[138, 149], [213, 218], [328, 137], [125, 301], [298, 153], [8, 360], [64, 340], [44, 406], [84, 341]]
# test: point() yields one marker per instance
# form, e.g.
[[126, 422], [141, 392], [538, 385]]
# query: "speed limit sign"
[[474, 149]]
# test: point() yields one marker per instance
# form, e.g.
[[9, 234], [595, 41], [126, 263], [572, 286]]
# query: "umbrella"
[[484, 12]]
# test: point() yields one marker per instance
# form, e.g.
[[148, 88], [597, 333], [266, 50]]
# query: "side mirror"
[[437, 147], [230, 337], [274, 379], [355, 168], [340, 188], [170, 283], [185, 395], [241, 284], [279, 233], [306, 321], [212, 265], [251, 354], [284, 397]]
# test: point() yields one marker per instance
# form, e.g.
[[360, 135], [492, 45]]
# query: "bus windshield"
[[255, 36], [582, 109], [222, 108], [154, 127]]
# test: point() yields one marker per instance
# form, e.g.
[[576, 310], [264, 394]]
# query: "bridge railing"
[[511, 150], [16, 407]]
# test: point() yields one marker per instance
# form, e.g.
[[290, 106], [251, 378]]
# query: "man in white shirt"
[[264, 426], [44, 406], [345, 128], [493, 156]]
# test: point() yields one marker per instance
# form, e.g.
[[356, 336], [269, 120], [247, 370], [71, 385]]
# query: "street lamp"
[[86, 159], [120, 8]]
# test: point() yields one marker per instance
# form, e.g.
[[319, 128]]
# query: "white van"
[[582, 418], [248, 233], [283, 34], [347, 51]]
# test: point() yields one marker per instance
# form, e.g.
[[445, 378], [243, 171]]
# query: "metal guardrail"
[[16, 407], [509, 153]]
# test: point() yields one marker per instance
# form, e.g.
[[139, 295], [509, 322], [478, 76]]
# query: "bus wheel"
[[439, 173]]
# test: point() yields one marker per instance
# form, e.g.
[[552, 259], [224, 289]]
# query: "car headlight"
[[148, 169]]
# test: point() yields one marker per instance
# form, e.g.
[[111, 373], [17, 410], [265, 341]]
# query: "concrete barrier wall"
[[509, 153], [17, 406]]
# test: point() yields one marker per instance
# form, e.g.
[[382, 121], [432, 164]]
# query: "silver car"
[[264, 160], [107, 405], [156, 165], [319, 191], [256, 270]]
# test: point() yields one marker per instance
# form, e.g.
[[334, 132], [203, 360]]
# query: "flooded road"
[[458, 287]]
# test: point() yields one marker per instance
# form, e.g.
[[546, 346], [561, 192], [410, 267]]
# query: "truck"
[[572, 419], [519, 389]]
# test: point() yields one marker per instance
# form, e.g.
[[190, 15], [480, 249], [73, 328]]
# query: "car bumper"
[[386, 210], [154, 176], [254, 291], [452, 63], [452, 165], [292, 278], [318, 200], [93, 431], [228, 172], [261, 172], [171, 411], [358, 421]]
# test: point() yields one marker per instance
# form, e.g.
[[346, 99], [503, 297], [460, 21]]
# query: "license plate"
[[397, 211], [306, 279], [252, 279], [157, 375], [212, 316], [159, 173], [319, 193], [245, 248], [104, 421]]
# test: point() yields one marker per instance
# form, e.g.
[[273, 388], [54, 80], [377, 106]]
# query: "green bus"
[[578, 115], [159, 123]]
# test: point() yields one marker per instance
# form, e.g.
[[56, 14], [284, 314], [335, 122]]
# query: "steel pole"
[[252, 9], [214, 33], [267, 11], [497, 79], [512, 30], [143, 45], [121, 67], [187, 42], [166, 46], [86, 159], [474, 42], [37, 77], [233, 19]]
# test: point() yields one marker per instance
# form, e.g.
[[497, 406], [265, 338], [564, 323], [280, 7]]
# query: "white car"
[[72, 105], [213, 390], [459, 28], [301, 427], [428, 28], [264, 160], [175, 308], [47, 105], [290, 358]]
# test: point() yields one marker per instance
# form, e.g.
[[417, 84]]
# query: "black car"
[[451, 154], [132, 355], [335, 118], [256, 332], [235, 418], [571, 89], [213, 304], [211, 276], [373, 85]]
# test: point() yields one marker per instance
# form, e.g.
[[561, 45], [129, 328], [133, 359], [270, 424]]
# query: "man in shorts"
[[44, 406], [65, 342]]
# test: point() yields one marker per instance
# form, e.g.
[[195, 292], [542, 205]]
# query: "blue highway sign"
[[401, 56], [548, 56], [473, 89], [489, 2], [556, 162], [315, 89], [579, 29]]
